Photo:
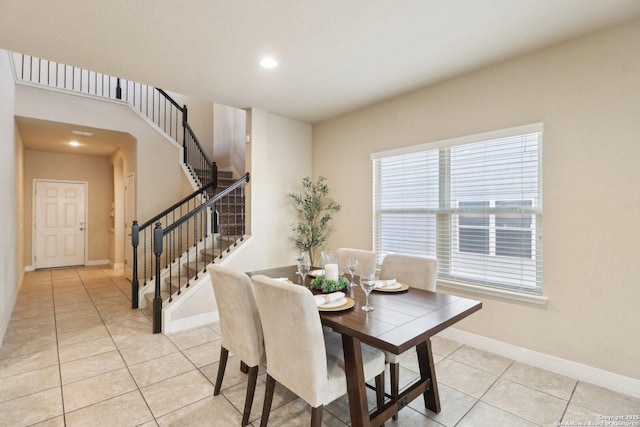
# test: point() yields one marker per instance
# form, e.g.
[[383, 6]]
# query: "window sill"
[[500, 293]]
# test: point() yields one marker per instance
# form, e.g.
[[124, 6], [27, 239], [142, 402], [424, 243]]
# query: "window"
[[475, 203]]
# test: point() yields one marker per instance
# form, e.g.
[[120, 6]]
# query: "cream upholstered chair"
[[240, 326], [417, 272], [300, 355], [366, 260]]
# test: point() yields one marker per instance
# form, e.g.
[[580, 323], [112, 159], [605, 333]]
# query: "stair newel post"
[[157, 300], [184, 134], [118, 89], [135, 284]]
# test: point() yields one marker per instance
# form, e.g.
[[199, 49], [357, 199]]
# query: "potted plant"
[[315, 210]]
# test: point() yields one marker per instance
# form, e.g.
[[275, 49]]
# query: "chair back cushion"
[[239, 319], [293, 337], [416, 271], [366, 260]]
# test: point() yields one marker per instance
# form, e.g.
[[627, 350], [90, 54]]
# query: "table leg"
[[428, 370], [356, 388]]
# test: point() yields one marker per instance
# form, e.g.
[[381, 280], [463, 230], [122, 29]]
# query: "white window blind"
[[474, 203]]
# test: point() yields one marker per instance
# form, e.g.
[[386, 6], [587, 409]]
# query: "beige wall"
[[158, 175], [229, 130], [11, 261], [200, 117], [278, 157], [96, 171], [587, 94]]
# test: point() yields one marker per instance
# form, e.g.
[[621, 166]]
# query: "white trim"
[[190, 322], [97, 262], [29, 268], [117, 265], [609, 380], [485, 136], [494, 292]]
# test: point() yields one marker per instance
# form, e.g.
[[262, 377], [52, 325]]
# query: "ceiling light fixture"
[[74, 143], [269, 63]]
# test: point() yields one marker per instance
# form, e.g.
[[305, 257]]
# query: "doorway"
[[60, 223]]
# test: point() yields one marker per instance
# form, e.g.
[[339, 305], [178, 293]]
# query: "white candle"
[[331, 271]]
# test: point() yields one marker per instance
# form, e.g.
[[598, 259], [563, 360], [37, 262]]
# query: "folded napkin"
[[281, 279], [327, 298], [387, 284]]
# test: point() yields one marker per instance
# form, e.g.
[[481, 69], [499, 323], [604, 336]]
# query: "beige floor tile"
[[82, 335], [171, 394], [28, 362], [464, 378], [212, 411], [581, 415], [484, 415], [232, 374], [51, 422], [454, 405], [85, 349], [605, 401], [409, 417], [236, 395], [48, 319], [30, 313], [91, 366], [546, 381], [443, 346], [204, 354], [31, 332], [160, 369], [409, 360], [525, 402], [141, 353], [481, 359], [128, 409], [298, 413], [32, 408], [193, 337], [29, 382], [20, 348], [96, 389]]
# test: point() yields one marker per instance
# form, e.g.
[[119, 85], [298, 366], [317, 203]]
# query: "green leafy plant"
[[328, 286], [315, 210]]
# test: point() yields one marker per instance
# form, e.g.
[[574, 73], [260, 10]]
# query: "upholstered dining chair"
[[240, 326], [417, 272], [366, 260], [300, 355]]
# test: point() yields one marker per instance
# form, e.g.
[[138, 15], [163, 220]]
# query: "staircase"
[[189, 269], [172, 249]]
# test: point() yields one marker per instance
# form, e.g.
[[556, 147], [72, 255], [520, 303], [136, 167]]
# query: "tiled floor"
[[76, 354]]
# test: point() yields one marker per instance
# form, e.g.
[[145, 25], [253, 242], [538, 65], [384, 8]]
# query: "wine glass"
[[299, 257], [352, 266], [367, 283], [303, 269]]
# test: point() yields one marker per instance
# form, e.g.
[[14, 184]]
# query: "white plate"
[[334, 304], [315, 273]]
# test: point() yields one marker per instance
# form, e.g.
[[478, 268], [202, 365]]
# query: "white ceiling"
[[335, 55]]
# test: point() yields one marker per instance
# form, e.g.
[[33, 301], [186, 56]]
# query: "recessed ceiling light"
[[81, 132], [74, 143], [269, 63]]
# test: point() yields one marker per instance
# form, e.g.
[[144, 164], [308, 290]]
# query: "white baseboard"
[[116, 265], [190, 322], [610, 380], [98, 262], [28, 268]]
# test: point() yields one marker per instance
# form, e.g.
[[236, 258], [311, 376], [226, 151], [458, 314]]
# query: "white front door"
[[60, 224]]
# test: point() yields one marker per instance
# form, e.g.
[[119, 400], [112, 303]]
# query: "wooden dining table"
[[400, 321]]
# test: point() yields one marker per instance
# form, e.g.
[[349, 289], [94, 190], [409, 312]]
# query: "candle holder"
[[330, 263]]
